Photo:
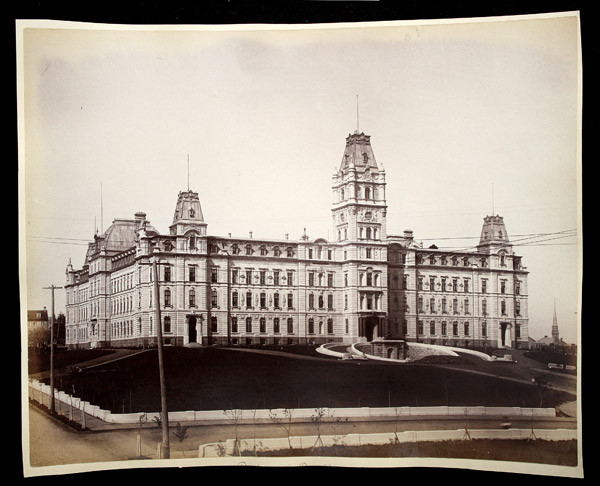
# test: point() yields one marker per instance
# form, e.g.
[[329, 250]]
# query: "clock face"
[[368, 215]]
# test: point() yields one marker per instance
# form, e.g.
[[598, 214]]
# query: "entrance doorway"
[[371, 328], [192, 334]]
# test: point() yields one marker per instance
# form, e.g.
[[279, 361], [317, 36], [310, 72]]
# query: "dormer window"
[[248, 249], [235, 249], [192, 213]]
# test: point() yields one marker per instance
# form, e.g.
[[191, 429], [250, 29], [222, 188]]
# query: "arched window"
[[367, 193], [368, 233], [321, 302], [342, 195]]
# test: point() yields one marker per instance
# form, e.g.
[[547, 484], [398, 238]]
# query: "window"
[[484, 329], [263, 300], [517, 330], [443, 284], [329, 326], [276, 300], [503, 286], [192, 298], [431, 283], [214, 327], [404, 282], [484, 262], [214, 275], [466, 328], [167, 322], [311, 301], [455, 328], [345, 280], [276, 277], [517, 308], [248, 324], [368, 233], [420, 283], [347, 327], [263, 250], [368, 253], [369, 302], [234, 276], [483, 286], [290, 325], [213, 298], [444, 260], [276, 325], [192, 274], [518, 287], [466, 284], [432, 260], [234, 324], [330, 301], [290, 301], [310, 253], [262, 325], [432, 328], [484, 307], [248, 299], [192, 242], [420, 304], [235, 249], [276, 251], [369, 279], [329, 254], [167, 273], [444, 310], [234, 299], [455, 305], [249, 277], [311, 279], [432, 305], [290, 252], [167, 298], [420, 330], [466, 261], [444, 328], [330, 280], [503, 307], [249, 250], [346, 302], [311, 326], [367, 193], [263, 277], [321, 302]]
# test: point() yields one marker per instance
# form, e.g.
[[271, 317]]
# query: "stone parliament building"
[[365, 285]]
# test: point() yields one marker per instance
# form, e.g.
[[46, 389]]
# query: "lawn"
[[561, 453], [217, 379], [39, 358]]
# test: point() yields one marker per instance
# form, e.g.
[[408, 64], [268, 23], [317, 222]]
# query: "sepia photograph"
[[340, 244]]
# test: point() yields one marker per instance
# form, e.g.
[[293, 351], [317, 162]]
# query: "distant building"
[[38, 319], [364, 285]]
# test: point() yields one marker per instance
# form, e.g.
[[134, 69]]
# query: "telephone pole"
[[52, 287], [165, 449]]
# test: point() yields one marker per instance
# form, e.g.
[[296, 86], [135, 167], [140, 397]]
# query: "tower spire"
[[555, 335]]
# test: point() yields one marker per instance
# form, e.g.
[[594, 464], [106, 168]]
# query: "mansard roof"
[[358, 153]]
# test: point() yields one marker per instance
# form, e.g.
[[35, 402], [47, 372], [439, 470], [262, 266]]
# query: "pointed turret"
[[555, 335]]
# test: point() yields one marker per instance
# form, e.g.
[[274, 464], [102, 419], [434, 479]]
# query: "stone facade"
[[363, 286]]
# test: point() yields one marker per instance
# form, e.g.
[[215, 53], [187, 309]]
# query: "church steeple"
[[555, 335]]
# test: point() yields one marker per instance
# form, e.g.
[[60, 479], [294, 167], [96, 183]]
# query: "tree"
[[317, 421], [235, 416], [284, 422], [180, 433]]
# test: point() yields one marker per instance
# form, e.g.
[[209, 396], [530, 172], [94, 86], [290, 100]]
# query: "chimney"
[[250, 234], [408, 234], [140, 216]]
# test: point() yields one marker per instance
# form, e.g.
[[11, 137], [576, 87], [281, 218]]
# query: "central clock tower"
[[359, 220], [359, 207]]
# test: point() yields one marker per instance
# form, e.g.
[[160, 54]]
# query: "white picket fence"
[[41, 393]]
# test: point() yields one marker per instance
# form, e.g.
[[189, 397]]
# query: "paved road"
[[52, 443]]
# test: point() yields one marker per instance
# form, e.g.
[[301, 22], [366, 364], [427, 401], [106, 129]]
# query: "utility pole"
[[52, 287], [165, 449]]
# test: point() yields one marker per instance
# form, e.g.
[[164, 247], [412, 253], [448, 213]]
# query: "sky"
[[468, 119]]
